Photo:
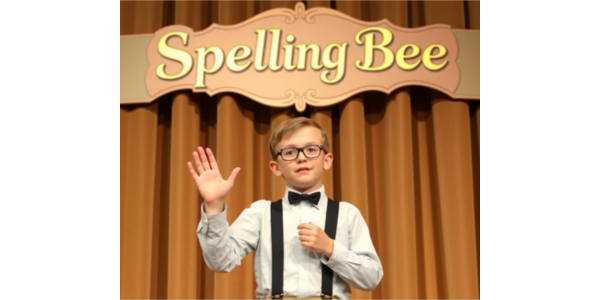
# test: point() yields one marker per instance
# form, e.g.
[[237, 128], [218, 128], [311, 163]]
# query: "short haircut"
[[290, 126]]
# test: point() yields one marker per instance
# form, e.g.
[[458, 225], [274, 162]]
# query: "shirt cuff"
[[337, 256], [214, 221]]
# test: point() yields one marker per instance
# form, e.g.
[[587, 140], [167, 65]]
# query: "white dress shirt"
[[354, 260]]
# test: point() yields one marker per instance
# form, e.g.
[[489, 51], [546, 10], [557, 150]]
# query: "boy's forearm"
[[359, 271], [214, 240]]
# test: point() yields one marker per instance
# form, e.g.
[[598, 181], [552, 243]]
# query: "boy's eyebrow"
[[295, 146]]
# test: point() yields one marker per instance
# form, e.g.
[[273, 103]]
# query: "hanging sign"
[[285, 57]]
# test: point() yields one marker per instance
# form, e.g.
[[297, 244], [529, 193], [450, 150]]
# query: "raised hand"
[[211, 185]]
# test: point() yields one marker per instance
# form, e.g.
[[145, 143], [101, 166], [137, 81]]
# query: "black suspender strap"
[[331, 219], [333, 209], [277, 248]]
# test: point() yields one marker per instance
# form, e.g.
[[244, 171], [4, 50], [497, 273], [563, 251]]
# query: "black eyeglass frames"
[[310, 151]]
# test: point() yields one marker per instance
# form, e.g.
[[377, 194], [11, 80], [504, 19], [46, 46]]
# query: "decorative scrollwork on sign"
[[302, 100], [300, 12], [309, 97], [290, 99], [290, 17], [300, 103], [293, 16], [309, 16]]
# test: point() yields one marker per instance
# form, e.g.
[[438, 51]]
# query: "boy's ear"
[[274, 168], [328, 161]]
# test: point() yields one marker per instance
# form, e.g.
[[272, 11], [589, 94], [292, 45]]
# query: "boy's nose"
[[301, 153]]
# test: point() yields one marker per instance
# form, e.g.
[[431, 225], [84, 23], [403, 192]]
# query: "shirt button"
[[205, 221], [332, 266]]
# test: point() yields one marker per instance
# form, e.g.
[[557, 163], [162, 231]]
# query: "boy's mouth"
[[302, 170]]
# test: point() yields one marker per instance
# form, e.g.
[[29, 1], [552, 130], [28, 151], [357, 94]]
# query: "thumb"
[[233, 175]]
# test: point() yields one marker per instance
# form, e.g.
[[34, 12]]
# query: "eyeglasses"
[[310, 151]]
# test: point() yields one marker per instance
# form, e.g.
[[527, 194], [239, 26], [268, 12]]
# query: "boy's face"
[[302, 174]]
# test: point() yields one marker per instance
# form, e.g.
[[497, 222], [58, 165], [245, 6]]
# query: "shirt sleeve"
[[224, 246], [356, 263]]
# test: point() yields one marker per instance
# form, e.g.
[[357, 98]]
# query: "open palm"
[[210, 183]]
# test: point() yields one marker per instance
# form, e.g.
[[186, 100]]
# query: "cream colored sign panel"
[[286, 57]]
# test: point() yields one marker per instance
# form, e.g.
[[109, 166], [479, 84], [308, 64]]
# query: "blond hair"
[[290, 126]]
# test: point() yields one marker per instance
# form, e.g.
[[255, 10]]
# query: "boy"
[[306, 245]]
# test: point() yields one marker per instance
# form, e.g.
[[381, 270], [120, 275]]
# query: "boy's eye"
[[312, 149], [288, 152]]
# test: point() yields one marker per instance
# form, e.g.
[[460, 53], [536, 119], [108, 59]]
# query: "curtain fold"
[[408, 160], [352, 152], [455, 178], [323, 117], [400, 194], [183, 199], [138, 193], [235, 148]]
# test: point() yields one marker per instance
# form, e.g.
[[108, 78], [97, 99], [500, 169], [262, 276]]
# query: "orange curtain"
[[408, 160]]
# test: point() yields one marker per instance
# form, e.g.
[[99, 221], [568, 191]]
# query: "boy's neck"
[[306, 191]]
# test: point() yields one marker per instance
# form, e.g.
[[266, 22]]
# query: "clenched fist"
[[314, 238]]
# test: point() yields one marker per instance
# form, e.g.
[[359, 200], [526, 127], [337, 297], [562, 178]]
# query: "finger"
[[307, 226], [204, 159], [191, 168], [233, 175], [211, 159], [197, 161], [306, 242], [304, 232]]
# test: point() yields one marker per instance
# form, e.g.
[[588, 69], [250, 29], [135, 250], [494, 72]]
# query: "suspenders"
[[277, 248], [330, 229], [331, 218]]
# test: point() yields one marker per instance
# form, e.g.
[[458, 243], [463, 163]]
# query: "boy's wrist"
[[329, 251], [214, 207]]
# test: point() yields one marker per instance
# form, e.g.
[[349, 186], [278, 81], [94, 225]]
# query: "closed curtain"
[[409, 160]]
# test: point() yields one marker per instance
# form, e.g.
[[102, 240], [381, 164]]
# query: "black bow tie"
[[295, 198]]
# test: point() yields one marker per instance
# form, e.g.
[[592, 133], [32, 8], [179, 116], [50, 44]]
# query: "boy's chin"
[[304, 181], [301, 185]]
